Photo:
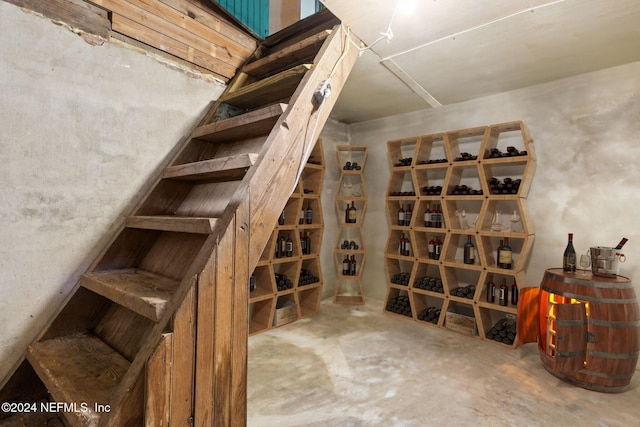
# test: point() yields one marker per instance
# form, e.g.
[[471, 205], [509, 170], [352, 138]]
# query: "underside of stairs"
[[155, 332]]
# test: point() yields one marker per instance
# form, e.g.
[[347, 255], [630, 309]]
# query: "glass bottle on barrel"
[[569, 257]]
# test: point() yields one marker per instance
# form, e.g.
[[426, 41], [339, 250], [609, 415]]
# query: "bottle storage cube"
[[287, 282], [463, 185]]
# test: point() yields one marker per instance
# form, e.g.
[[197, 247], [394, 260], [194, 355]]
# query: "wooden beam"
[[172, 223], [224, 168], [156, 15], [168, 44], [183, 359], [283, 150], [158, 384], [78, 14]]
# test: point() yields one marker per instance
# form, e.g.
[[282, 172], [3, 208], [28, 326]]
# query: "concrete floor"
[[355, 366]]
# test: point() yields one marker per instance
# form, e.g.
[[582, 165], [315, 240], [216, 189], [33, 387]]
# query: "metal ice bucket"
[[606, 261]]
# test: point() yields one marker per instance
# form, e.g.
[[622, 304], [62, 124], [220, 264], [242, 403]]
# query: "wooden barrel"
[[596, 341]]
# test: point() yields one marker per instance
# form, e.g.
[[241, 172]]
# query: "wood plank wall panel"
[[205, 42], [222, 329], [78, 14]]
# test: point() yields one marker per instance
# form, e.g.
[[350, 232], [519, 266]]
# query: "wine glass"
[[585, 262]]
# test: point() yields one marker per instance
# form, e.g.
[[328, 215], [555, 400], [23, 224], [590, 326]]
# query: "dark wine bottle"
[[352, 213], [498, 253], [438, 248], [303, 244], [401, 216], [504, 290], [407, 216], [622, 242], [569, 257], [289, 247], [427, 216], [352, 266], [301, 217], [281, 218], [346, 215], [309, 214], [514, 293], [491, 291], [432, 248], [506, 255], [307, 242], [469, 251], [345, 266]]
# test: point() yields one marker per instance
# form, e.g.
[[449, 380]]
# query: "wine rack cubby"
[[303, 284], [475, 181]]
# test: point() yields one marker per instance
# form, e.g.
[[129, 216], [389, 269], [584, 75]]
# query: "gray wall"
[[586, 133], [83, 129]]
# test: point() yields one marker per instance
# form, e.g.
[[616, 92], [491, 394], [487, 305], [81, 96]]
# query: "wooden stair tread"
[[223, 168], [271, 89], [300, 52], [78, 368], [179, 224], [146, 293], [254, 123]]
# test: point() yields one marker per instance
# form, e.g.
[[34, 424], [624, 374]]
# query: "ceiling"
[[450, 51]]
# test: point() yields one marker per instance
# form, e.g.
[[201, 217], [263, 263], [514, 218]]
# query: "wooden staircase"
[[155, 333]]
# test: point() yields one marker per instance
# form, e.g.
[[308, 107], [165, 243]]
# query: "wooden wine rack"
[[351, 188], [265, 299], [487, 217]]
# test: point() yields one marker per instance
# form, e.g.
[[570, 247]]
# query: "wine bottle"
[[303, 243], [252, 283], [401, 249], [514, 293], [346, 215], [280, 246], [469, 251], [345, 266], [432, 248], [438, 248], [401, 216], [407, 246], [407, 216], [352, 213], [622, 242], [427, 216], [281, 218], [301, 217], [498, 253], [491, 290], [569, 257], [438, 216], [352, 266], [309, 214], [504, 290], [506, 255], [307, 242], [289, 246]]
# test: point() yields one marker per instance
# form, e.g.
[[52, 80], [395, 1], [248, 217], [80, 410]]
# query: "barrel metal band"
[[612, 324], [605, 355], [606, 375], [571, 322], [571, 354], [571, 281], [588, 298]]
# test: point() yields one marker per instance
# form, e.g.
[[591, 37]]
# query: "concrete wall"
[[83, 129], [586, 139]]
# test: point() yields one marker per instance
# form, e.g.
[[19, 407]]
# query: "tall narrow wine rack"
[[471, 182], [299, 294], [350, 252]]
